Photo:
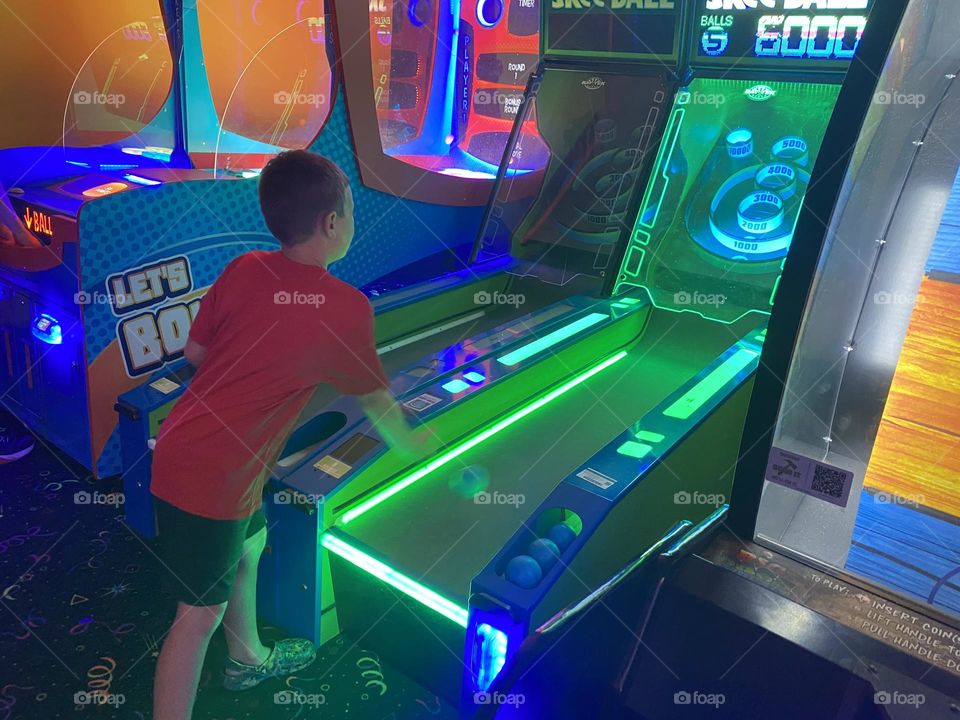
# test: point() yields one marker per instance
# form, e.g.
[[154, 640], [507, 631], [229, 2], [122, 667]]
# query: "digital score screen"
[[778, 34], [641, 29]]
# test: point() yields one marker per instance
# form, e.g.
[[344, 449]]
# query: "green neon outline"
[[675, 120], [635, 248], [776, 286], [666, 151], [396, 579], [458, 450], [690, 311]]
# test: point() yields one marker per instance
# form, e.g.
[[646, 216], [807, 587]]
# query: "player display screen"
[[782, 34], [616, 28]]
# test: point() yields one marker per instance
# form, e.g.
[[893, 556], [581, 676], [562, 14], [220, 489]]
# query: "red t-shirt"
[[274, 330]]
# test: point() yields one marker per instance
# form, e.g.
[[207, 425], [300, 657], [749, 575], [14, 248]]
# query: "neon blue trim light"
[[46, 328], [492, 652]]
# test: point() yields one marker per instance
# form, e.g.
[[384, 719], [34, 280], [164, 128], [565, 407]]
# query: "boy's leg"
[[181, 659], [202, 583], [240, 619], [248, 662]]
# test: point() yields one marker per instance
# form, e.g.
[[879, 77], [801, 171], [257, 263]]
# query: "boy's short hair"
[[297, 187]]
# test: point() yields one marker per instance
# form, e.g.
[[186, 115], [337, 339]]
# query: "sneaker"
[[287, 657], [14, 443]]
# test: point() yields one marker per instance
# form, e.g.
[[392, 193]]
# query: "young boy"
[[273, 327]]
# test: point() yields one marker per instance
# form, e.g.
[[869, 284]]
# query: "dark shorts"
[[199, 556]]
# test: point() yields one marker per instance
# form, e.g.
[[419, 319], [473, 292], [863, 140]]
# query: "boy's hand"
[[431, 442], [423, 444], [14, 233], [388, 417], [11, 226]]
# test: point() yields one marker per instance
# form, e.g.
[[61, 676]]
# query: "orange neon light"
[[105, 189], [38, 222]]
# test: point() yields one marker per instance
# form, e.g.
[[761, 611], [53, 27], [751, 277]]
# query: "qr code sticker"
[[803, 474], [828, 481]]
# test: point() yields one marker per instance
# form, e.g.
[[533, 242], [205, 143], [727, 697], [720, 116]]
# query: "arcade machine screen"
[[632, 31], [268, 67], [403, 44], [108, 84], [719, 213], [104, 107], [498, 50], [123, 86], [446, 98]]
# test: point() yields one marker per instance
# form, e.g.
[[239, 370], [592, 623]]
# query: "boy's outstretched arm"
[[387, 416]]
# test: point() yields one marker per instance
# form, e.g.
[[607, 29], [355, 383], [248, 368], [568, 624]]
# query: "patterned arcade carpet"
[[909, 548], [917, 451], [83, 611]]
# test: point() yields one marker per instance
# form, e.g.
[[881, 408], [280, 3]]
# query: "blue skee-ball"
[[469, 481], [562, 534], [545, 552], [524, 571]]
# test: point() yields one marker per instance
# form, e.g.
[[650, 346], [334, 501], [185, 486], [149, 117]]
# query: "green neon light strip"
[[458, 450], [776, 286], [710, 385], [666, 152], [557, 336], [395, 579]]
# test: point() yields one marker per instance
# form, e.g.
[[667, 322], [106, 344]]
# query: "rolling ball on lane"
[[469, 481]]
